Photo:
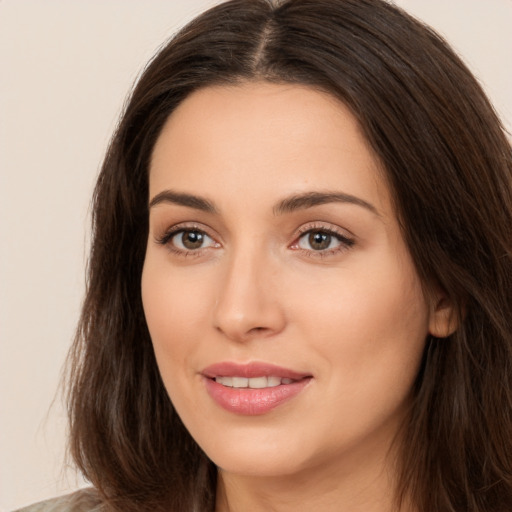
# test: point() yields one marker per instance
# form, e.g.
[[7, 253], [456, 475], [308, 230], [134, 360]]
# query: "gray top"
[[84, 500]]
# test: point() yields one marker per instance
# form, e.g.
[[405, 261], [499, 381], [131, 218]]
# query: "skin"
[[353, 315]]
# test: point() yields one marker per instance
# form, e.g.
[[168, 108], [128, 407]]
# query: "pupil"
[[319, 241], [192, 239]]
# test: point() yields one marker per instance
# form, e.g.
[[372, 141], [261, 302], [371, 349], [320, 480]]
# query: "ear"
[[443, 319]]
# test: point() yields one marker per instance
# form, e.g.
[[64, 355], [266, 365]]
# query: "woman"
[[299, 288]]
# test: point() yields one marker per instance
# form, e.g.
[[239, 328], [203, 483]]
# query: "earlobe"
[[443, 318]]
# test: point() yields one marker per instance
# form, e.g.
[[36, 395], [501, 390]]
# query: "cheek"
[[361, 302], [176, 307], [370, 324]]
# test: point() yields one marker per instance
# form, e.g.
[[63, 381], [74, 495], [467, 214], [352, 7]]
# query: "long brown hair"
[[449, 167]]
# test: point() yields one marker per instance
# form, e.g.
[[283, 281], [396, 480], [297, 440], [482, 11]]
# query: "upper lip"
[[250, 370]]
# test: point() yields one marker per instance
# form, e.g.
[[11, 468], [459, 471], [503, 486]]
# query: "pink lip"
[[247, 401], [255, 369]]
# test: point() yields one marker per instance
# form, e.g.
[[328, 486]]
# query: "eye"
[[322, 241], [318, 241], [190, 240]]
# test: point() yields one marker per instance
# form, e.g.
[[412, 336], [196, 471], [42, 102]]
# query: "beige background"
[[65, 68]]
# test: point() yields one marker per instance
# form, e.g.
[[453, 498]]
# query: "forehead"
[[262, 137]]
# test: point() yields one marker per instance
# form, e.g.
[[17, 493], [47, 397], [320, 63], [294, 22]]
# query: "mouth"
[[253, 371], [254, 388], [253, 382]]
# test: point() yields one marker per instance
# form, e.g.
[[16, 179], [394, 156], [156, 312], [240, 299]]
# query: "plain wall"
[[65, 69]]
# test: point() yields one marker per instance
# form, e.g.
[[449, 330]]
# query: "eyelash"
[[345, 242], [166, 238]]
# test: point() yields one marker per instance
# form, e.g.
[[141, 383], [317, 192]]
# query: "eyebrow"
[[287, 205], [182, 199], [310, 199]]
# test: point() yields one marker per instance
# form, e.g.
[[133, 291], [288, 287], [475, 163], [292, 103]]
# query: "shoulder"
[[84, 500]]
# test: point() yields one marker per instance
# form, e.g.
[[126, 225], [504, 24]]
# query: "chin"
[[257, 452], [260, 465]]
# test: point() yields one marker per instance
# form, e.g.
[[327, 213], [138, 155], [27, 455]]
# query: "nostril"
[[258, 329]]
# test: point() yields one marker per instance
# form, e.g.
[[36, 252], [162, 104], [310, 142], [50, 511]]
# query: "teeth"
[[258, 382], [240, 382], [253, 383], [272, 382], [225, 381]]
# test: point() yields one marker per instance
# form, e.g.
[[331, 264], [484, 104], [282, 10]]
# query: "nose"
[[248, 304]]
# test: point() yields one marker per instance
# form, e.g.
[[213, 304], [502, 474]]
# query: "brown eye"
[[189, 240], [323, 241], [319, 241]]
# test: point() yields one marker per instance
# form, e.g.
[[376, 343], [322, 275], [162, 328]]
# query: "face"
[[286, 315]]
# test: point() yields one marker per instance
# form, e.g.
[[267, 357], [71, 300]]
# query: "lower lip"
[[253, 402]]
